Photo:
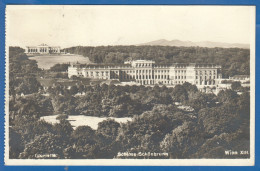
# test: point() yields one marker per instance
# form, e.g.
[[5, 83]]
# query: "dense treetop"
[[234, 61]]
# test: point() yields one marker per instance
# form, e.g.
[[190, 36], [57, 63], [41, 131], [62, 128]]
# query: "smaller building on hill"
[[42, 49]]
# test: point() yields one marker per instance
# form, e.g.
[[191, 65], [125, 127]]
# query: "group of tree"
[[124, 101], [218, 123], [22, 73], [205, 133], [233, 60]]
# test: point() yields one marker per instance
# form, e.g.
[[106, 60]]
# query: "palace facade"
[[146, 72], [42, 49]]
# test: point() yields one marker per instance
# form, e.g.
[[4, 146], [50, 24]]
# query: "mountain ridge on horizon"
[[209, 44]]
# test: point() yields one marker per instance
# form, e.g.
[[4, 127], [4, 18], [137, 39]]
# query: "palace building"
[[146, 72], [42, 49]]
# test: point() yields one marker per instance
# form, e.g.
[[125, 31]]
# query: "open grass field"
[[82, 120], [47, 61]]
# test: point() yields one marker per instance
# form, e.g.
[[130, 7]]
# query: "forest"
[[217, 123], [234, 61]]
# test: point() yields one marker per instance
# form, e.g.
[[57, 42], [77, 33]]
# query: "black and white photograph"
[[130, 85]]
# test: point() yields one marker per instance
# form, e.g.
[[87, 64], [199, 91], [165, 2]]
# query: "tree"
[[73, 90], [179, 94], [108, 129], [62, 117], [59, 67], [63, 129], [183, 141], [107, 132], [84, 143], [16, 144], [221, 119], [236, 85], [83, 135], [45, 146], [227, 96]]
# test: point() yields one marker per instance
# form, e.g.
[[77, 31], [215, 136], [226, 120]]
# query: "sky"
[[68, 26]]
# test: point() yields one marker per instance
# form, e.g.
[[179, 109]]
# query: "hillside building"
[[146, 72], [42, 49]]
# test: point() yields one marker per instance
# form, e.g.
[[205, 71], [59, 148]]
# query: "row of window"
[[144, 65], [97, 73], [206, 77], [180, 71], [167, 71], [206, 82], [180, 77], [152, 77], [145, 82], [205, 72]]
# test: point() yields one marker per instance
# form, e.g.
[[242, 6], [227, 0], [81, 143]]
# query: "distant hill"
[[163, 42]]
